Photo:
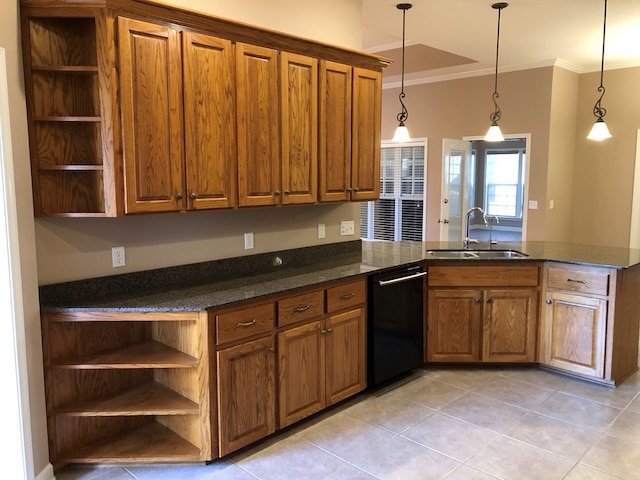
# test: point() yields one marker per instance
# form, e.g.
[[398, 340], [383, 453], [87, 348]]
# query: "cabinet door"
[[510, 325], [345, 341], [246, 393], [210, 121], [258, 125], [574, 333], [151, 85], [365, 156], [301, 367], [453, 325], [299, 100], [335, 132]]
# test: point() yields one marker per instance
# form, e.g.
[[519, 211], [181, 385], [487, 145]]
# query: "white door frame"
[[17, 455]]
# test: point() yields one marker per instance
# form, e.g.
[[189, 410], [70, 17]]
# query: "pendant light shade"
[[494, 134], [402, 133], [600, 131]]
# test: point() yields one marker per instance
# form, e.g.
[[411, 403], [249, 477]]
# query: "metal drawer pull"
[[247, 324], [576, 281], [347, 296], [301, 309], [401, 279]]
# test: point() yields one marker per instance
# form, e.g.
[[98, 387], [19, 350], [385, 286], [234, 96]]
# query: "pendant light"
[[599, 131], [402, 133], [494, 134]]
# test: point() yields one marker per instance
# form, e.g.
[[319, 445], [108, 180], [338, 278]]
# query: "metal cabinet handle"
[[348, 190], [272, 350], [549, 302], [355, 189], [178, 196], [477, 300], [398, 280], [247, 324], [287, 192], [576, 281], [301, 309], [276, 193], [489, 300], [193, 196], [347, 296]]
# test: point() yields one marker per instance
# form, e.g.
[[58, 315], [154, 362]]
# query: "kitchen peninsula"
[[152, 366]]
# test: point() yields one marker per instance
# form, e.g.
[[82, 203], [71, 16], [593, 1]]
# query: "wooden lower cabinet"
[[246, 393], [283, 360], [468, 323], [575, 332]]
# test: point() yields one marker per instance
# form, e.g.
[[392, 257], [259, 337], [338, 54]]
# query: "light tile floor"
[[442, 423]]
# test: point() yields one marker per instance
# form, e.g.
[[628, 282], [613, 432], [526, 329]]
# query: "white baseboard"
[[46, 473]]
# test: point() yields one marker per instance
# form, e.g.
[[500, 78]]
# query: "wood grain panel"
[[335, 88], [453, 325], [63, 43], [300, 307], [301, 367], [210, 121], [63, 143], [510, 325], [151, 84], [244, 323], [346, 295], [365, 146], [299, 133], [579, 279], [258, 125], [61, 94], [346, 354], [483, 276], [246, 393], [69, 192], [577, 333]]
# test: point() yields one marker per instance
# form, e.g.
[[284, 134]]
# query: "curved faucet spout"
[[468, 240]]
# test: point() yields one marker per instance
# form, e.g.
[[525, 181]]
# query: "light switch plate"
[[321, 230], [248, 241], [533, 204]]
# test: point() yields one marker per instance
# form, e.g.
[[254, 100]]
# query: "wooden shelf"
[[151, 442], [150, 354], [69, 118], [147, 399], [72, 168], [89, 69]]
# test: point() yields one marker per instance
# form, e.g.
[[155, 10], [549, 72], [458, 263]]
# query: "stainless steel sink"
[[480, 254]]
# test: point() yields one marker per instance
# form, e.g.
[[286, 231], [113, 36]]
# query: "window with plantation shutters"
[[400, 212]]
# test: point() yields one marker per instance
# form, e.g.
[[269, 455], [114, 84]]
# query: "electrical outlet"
[[347, 228], [248, 241], [117, 257], [321, 230]]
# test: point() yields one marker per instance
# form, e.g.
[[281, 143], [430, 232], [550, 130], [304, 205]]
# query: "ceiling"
[[456, 38]]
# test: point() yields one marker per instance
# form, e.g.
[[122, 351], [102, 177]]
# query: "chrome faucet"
[[468, 240], [491, 240]]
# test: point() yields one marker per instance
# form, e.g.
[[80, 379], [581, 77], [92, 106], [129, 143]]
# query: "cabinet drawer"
[[244, 323], [484, 276], [594, 281], [347, 295], [300, 307]]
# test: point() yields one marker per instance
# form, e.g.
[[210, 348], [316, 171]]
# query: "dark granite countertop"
[[230, 281]]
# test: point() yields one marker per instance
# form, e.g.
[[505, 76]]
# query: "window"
[[399, 214], [504, 182]]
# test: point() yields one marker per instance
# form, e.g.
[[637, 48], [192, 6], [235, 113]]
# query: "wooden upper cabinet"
[[299, 115], [151, 87], [335, 131], [258, 125], [209, 120], [365, 153]]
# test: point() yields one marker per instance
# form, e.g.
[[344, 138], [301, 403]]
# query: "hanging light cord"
[[495, 116], [598, 110], [404, 114]]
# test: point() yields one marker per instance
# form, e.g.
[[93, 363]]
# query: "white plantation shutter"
[[399, 214]]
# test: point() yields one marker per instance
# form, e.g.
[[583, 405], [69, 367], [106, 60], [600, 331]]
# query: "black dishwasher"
[[395, 323]]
